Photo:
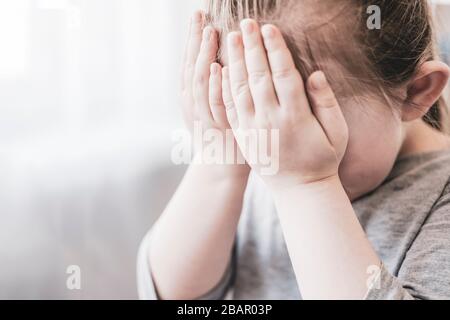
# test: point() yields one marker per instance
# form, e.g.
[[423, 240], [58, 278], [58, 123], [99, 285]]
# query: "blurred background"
[[88, 104]]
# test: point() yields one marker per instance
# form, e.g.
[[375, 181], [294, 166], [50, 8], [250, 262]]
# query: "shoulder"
[[414, 195], [416, 182], [423, 167]]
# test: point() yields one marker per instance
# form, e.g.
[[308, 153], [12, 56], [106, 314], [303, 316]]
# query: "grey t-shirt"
[[407, 220]]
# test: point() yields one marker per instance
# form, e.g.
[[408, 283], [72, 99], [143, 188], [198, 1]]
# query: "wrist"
[[321, 186], [235, 172], [222, 169], [222, 172]]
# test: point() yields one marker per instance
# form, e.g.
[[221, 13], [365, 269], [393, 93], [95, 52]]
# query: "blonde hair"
[[379, 60]]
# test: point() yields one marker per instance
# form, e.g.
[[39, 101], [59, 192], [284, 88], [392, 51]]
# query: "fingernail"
[[234, 38], [197, 17], [207, 33], [225, 72], [268, 31], [248, 26], [214, 69], [319, 81]]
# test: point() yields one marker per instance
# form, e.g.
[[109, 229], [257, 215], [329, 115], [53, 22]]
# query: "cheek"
[[374, 146]]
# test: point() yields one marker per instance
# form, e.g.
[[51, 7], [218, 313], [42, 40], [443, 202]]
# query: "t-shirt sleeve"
[[146, 285], [425, 271]]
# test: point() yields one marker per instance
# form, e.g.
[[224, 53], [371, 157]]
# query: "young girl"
[[360, 205]]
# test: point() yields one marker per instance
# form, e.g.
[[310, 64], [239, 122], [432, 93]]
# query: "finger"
[[215, 96], [287, 80], [186, 48], [238, 76], [193, 48], [327, 110], [206, 57], [231, 111], [260, 77]]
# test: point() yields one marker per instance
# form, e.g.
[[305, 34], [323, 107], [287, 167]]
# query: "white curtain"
[[88, 103]]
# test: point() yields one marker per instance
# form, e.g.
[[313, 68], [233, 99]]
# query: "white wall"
[[88, 101]]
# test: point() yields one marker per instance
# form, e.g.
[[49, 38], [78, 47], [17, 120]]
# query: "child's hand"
[[202, 78], [203, 105], [264, 90]]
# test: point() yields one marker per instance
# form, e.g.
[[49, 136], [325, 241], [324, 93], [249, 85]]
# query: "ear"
[[425, 90]]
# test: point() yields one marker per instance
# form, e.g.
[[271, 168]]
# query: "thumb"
[[327, 111]]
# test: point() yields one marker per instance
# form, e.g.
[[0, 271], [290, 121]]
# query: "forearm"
[[328, 247], [193, 240]]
